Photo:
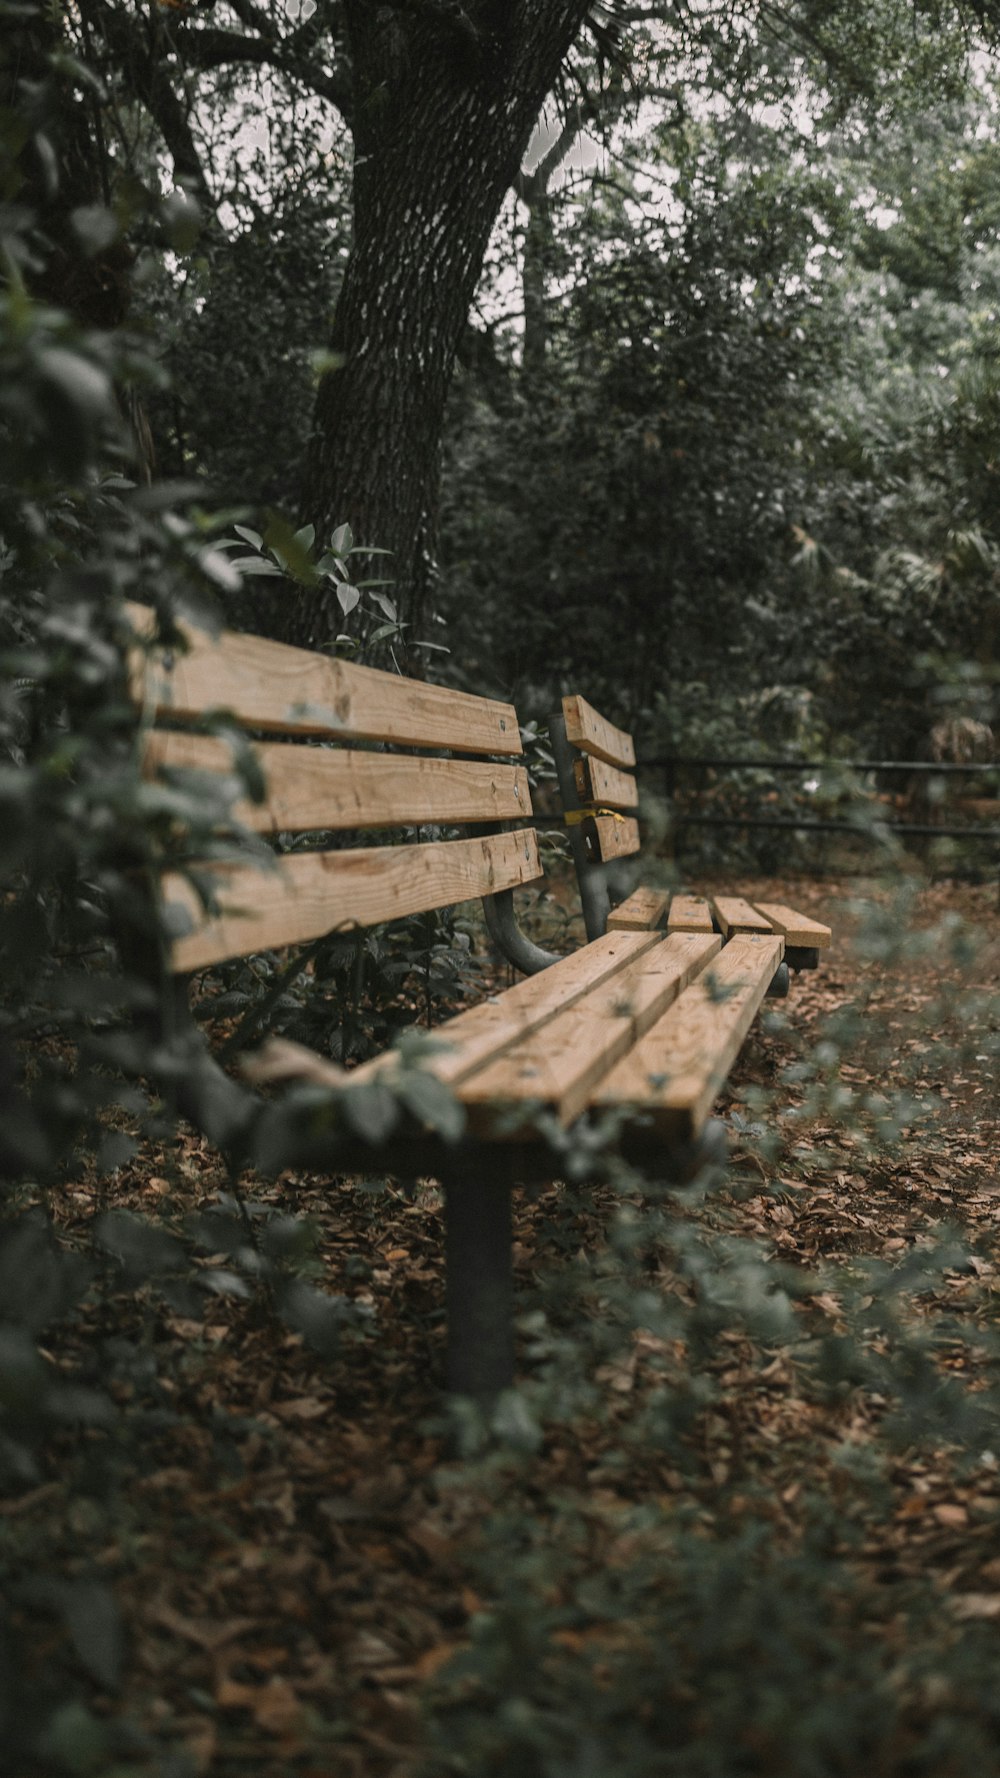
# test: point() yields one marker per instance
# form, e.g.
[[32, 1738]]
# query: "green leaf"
[[142, 1248], [181, 221], [287, 1238], [225, 1283], [513, 1422], [319, 1317], [38, 1284], [96, 1631], [386, 605], [74, 1741], [347, 598], [217, 1231], [431, 1102], [342, 541], [95, 227], [286, 545], [248, 536], [371, 1110], [24, 1377], [322, 362], [250, 565], [116, 1150]]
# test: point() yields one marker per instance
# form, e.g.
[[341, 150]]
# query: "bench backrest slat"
[[331, 788], [593, 734], [273, 687], [610, 836], [308, 894], [597, 782]]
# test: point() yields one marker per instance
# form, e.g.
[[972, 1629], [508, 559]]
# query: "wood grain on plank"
[[307, 894], [271, 686], [736, 915], [592, 733], [323, 787], [561, 1063], [610, 836], [675, 1071], [689, 913], [642, 910], [597, 782], [505, 1019], [796, 929]]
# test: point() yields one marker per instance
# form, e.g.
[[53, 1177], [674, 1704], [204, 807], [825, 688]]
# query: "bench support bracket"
[[506, 934], [591, 877]]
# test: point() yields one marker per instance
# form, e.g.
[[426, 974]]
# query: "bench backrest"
[[595, 764], [319, 779]]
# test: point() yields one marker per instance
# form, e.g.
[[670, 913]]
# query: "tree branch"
[[148, 78], [209, 47]]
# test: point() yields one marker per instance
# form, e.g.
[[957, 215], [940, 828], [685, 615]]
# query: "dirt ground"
[[293, 1572]]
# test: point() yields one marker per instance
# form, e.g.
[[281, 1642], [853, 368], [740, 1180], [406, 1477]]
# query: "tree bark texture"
[[442, 118]]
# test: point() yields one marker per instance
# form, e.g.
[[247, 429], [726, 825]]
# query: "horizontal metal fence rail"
[[871, 827], [675, 760]]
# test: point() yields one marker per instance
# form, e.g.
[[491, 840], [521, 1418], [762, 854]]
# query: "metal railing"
[[873, 820]]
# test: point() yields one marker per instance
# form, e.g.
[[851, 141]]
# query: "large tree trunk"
[[442, 117]]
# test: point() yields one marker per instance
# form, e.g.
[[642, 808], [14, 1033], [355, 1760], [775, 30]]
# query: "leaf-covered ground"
[[291, 1542]]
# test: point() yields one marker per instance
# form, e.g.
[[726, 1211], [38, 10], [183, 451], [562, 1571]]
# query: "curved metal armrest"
[[502, 926]]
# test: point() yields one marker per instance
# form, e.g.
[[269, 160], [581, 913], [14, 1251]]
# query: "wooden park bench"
[[639, 1021]]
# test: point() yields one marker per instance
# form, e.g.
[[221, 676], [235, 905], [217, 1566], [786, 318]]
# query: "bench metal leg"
[[779, 983], [801, 957], [479, 1290]]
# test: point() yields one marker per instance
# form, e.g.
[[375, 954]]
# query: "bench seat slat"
[[271, 686], [674, 1073], [640, 912], [796, 929], [689, 913], [597, 782], [593, 734], [561, 1063], [734, 914], [480, 1034], [320, 787], [311, 893]]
